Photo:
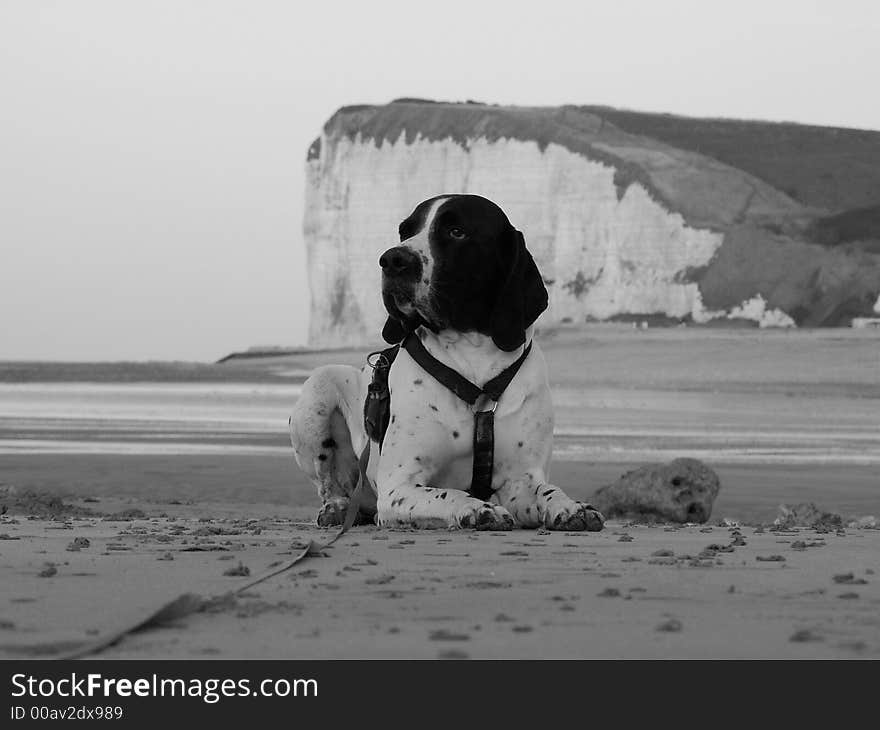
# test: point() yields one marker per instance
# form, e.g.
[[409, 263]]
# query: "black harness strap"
[[443, 374], [457, 383], [377, 408], [484, 421], [484, 455]]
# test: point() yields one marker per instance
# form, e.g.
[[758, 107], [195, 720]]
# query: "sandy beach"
[[177, 480], [628, 592]]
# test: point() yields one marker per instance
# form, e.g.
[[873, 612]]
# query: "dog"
[[464, 284]]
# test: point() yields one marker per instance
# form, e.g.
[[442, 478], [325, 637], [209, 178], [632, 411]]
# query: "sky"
[[152, 153]]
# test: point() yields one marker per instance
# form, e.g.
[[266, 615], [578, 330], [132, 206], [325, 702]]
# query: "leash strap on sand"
[[189, 603]]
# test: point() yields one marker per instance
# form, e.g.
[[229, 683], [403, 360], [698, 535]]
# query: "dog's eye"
[[457, 233]]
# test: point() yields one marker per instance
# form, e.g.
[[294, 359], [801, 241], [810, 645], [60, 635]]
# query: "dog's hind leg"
[[327, 434]]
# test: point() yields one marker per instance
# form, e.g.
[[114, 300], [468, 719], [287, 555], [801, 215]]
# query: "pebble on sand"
[[446, 635], [238, 571], [78, 543], [805, 635], [849, 579], [672, 625], [453, 654]]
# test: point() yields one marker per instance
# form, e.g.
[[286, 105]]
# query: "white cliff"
[[619, 225], [601, 256]]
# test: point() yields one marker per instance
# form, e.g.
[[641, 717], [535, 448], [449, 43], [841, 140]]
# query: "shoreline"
[[749, 492]]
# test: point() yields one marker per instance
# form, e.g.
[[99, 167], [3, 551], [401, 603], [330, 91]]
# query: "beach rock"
[[683, 490], [806, 514], [672, 625], [78, 544], [868, 522], [38, 504]]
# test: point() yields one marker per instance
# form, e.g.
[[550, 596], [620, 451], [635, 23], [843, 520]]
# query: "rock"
[[806, 514], [804, 636], [446, 635], [38, 504], [453, 654], [239, 570], [672, 626], [868, 522], [849, 579], [78, 543], [683, 490], [610, 593]]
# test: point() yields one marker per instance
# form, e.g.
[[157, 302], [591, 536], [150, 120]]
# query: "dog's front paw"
[[486, 516], [578, 517], [332, 514]]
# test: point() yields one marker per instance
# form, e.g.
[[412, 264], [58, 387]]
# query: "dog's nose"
[[399, 261]]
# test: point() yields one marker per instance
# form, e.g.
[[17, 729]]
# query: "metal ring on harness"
[[381, 361], [476, 409]]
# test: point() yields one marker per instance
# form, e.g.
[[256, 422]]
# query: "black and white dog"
[[464, 284]]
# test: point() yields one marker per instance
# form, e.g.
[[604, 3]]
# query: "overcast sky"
[[151, 153]]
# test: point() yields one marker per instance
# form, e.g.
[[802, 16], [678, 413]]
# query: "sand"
[[782, 416], [628, 592]]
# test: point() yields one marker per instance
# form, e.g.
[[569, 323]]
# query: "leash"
[[188, 603]]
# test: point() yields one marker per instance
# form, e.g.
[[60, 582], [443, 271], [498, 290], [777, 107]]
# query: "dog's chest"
[[438, 426]]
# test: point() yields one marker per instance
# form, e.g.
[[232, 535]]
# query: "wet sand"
[[749, 492]]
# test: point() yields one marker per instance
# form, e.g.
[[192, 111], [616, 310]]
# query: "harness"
[[377, 407]]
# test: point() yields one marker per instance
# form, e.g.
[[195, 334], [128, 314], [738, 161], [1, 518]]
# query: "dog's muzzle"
[[401, 263]]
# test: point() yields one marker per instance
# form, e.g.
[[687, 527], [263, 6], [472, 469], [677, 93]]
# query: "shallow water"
[[144, 418], [597, 424]]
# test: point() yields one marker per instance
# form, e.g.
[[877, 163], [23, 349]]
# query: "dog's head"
[[461, 265]]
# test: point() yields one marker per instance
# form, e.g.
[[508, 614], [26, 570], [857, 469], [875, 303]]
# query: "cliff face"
[[620, 225]]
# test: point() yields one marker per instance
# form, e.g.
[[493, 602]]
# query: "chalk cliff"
[[621, 225]]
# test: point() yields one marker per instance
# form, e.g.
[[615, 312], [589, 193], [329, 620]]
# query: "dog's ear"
[[521, 297], [394, 331]]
